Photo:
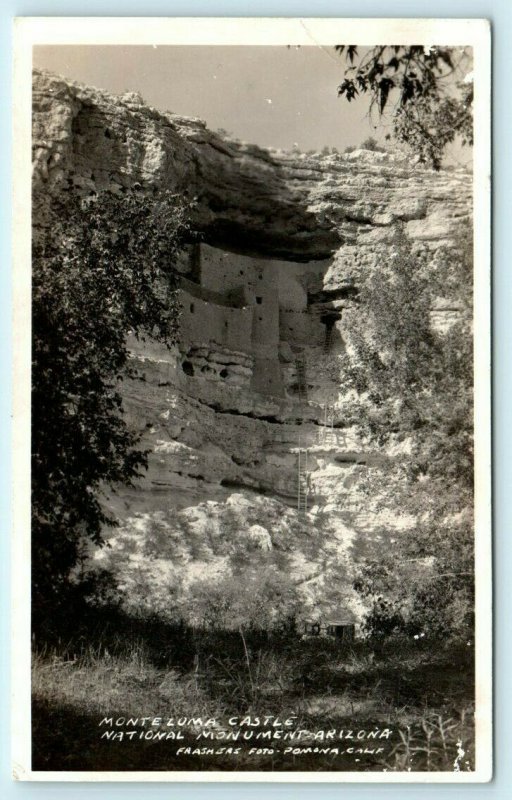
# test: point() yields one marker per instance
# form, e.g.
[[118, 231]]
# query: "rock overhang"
[[271, 203]]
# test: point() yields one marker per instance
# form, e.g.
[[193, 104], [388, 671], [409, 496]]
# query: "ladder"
[[302, 386], [326, 434], [302, 481], [329, 331]]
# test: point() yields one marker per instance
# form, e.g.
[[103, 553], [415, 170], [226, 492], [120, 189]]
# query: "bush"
[[258, 599], [372, 144]]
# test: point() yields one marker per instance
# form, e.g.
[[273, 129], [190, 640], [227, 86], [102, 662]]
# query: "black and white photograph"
[[253, 400]]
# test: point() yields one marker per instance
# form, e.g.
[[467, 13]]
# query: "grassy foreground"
[[400, 706]]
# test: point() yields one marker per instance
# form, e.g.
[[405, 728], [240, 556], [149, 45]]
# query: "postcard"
[[252, 533]]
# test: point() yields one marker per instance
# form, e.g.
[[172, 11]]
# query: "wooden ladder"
[[326, 434], [302, 481], [329, 332], [302, 386]]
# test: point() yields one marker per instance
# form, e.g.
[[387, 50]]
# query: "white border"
[[263, 31]]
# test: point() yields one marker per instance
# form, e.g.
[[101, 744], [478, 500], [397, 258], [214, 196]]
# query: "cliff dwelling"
[[268, 313]]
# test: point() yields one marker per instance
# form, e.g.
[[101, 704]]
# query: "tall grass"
[[425, 698], [100, 684]]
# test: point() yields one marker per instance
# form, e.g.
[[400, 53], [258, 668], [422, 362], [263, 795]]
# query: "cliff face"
[[273, 203], [225, 413]]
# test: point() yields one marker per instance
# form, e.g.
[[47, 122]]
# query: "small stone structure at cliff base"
[[285, 238]]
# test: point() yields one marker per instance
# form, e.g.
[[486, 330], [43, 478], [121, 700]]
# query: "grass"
[[424, 699], [99, 683]]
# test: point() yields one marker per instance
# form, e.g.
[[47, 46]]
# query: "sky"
[[274, 96]]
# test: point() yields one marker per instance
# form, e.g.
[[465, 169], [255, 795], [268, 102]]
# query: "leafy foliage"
[[102, 268], [431, 104], [253, 598], [412, 389]]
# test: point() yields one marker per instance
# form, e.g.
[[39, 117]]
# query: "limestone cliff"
[[284, 205], [285, 237]]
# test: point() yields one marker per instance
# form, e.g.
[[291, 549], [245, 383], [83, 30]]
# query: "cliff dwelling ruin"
[[270, 311]]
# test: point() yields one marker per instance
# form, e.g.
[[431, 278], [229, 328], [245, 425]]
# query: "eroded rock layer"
[[284, 205]]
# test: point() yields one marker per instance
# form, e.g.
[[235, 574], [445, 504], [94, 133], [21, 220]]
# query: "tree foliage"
[[431, 103], [411, 388], [103, 267]]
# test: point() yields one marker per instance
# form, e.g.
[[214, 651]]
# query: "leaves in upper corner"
[[351, 51], [385, 86], [430, 107], [348, 89]]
